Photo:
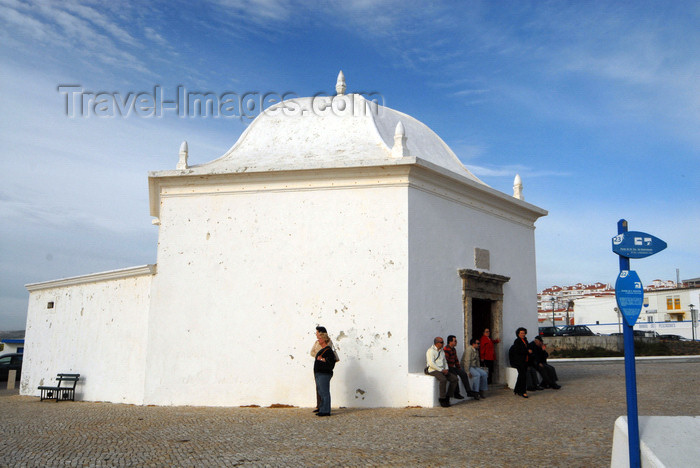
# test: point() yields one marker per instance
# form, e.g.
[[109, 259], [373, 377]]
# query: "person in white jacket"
[[437, 367]]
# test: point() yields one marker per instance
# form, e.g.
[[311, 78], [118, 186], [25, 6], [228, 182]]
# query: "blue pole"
[[630, 374]]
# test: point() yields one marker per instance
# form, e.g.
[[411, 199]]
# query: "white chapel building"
[[327, 210]]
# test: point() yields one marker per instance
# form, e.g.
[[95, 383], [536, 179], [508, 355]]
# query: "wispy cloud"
[[47, 215], [471, 92], [467, 151], [99, 20], [154, 36], [626, 67], [259, 11], [14, 14], [511, 170], [69, 25]]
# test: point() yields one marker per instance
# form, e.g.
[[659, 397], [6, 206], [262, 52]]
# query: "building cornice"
[[166, 185], [94, 277], [438, 181], [412, 172]]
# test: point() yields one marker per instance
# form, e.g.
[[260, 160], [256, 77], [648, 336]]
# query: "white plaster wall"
[[664, 441], [95, 329], [244, 277], [442, 236], [589, 309]]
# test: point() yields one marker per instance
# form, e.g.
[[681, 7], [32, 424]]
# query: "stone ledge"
[[664, 441], [423, 391]]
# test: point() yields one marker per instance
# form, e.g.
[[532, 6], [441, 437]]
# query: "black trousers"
[[532, 380], [549, 377], [459, 372], [521, 383], [489, 366], [552, 370]]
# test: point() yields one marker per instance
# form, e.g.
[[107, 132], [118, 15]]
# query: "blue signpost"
[[635, 244], [629, 294]]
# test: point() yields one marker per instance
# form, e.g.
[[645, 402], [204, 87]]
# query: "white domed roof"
[[331, 131]]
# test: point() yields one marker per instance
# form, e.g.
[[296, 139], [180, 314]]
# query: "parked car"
[[9, 362], [645, 334], [673, 338], [548, 331], [574, 330]]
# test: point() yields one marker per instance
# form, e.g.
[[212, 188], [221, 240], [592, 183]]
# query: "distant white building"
[[666, 311], [328, 210], [555, 305], [692, 282], [11, 345]]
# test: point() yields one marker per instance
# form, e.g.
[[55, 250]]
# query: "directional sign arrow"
[[629, 294], [636, 244]]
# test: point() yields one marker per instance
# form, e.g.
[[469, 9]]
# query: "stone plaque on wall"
[[482, 259]]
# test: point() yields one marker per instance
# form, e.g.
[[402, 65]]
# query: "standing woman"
[[323, 371], [487, 352], [519, 356], [314, 351]]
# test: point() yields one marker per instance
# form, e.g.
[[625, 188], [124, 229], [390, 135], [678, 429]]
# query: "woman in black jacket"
[[323, 371], [519, 354]]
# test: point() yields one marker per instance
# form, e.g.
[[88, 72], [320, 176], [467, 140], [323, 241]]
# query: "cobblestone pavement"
[[571, 427]]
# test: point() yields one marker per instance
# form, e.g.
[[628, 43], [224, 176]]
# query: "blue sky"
[[595, 104]]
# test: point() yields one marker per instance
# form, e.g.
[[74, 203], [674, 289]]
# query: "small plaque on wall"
[[482, 259]]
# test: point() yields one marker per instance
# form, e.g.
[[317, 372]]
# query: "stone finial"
[[182, 162], [399, 149], [340, 84], [518, 187]]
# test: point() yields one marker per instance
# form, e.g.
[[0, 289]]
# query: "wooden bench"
[[65, 390]]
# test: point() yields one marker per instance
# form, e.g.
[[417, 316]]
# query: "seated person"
[[478, 375], [437, 367], [533, 379], [539, 362], [455, 367]]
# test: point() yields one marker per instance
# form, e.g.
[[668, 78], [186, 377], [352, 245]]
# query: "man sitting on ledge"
[[456, 368], [539, 362], [478, 375], [437, 367]]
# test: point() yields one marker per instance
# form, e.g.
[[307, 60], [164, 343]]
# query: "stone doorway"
[[482, 296], [481, 316]]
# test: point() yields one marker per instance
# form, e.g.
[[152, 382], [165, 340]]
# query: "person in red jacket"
[[487, 353]]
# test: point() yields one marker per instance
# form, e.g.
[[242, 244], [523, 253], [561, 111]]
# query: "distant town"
[[670, 307]]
